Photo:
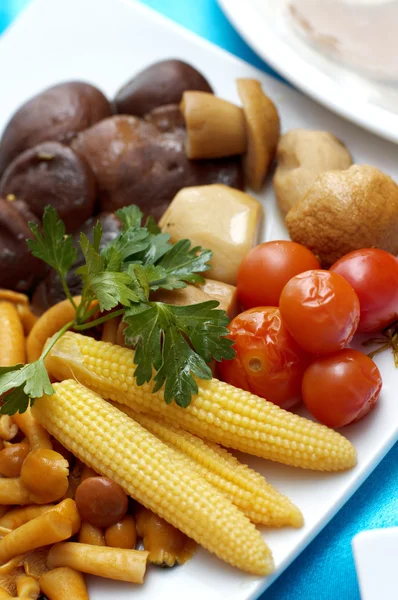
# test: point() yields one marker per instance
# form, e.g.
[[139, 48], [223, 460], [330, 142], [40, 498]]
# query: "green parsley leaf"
[[27, 382], [161, 334], [97, 235], [206, 329], [183, 263], [15, 401], [53, 246], [130, 216], [111, 289]]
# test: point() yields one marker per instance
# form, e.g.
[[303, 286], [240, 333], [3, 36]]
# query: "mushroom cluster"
[[165, 130]]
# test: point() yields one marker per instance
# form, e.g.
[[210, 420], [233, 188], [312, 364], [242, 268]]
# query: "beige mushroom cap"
[[345, 211], [302, 155]]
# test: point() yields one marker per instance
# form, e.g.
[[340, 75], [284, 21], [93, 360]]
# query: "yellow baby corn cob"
[[114, 445], [261, 502], [219, 412]]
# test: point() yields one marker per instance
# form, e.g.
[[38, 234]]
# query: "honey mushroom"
[[44, 474], [49, 528], [27, 587], [263, 129], [36, 434], [101, 501], [8, 429], [92, 535], [63, 583], [215, 127], [19, 516], [11, 459], [112, 563], [165, 544], [122, 534]]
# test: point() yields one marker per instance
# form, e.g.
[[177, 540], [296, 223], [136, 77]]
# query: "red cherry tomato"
[[321, 311], [268, 361], [341, 388], [373, 274], [267, 268]]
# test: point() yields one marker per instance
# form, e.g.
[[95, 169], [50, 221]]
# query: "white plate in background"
[[266, 27], [106, 42], [376, 560]]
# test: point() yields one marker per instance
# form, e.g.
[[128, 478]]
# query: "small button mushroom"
[[19, 269], [50, 291], [162, 83], [302, 155], [216, 217], [345, 211], [56, 113], [215, 127], [101, 501], [44, 473], [263, 128], [157, 164], [51, 173]]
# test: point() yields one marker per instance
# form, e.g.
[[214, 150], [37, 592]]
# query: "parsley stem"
[[99, 321], [55, 338], [67, 291]]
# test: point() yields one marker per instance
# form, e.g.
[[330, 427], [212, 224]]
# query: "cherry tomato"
[[341, 388], [373, 274], [267, 268], [268, 361], [321, 311]]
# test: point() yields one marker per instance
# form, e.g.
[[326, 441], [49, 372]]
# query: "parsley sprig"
[[173, 344]]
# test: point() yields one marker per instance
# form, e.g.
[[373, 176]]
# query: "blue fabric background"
[[325, 570]]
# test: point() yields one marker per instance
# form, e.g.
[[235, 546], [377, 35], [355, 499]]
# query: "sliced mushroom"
[[263, 128], [216, 217]]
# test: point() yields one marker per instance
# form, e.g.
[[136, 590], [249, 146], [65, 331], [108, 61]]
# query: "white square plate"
[[105, 42], [267, 27], [376, 560]]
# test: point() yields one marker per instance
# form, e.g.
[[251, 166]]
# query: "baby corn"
[[114, 445], [255, 497], [219, 412]]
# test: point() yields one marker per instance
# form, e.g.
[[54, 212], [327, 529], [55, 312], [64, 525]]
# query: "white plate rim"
[[271, 48], [387, 442]]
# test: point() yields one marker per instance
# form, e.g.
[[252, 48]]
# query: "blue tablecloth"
[[325, 570]]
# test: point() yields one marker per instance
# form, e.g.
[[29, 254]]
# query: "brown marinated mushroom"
[[50, 290], [57, 113], [166, 118], [101, 501], [162, 83], [166, 545], [263, 128], [215, 127], [133, 160], [19, 269], [51, 173]]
